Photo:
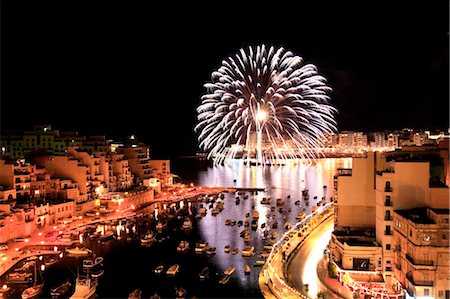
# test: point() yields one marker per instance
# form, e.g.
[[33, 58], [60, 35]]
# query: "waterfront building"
[[44, 139], [364, 239], [421, 253], [120, 176], [138, 156], [161, 171]]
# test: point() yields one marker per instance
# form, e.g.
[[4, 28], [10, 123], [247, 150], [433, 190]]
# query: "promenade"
[[273, 278]]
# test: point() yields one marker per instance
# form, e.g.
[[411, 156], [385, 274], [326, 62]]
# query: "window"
[[388, 246], [426, 237], [410, 232], [426, 292], [444, 237], [441, 294]]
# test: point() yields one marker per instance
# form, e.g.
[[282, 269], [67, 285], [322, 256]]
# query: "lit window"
[[426, 237], [426, 292]]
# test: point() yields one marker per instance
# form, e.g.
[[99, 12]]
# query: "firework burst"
[[265, 103]]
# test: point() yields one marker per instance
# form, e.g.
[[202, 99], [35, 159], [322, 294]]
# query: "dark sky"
[[120, 68]]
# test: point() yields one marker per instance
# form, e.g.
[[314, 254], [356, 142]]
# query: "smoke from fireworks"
[[266, 103]]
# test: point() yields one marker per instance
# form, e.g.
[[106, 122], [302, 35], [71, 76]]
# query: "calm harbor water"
[[129, 265]]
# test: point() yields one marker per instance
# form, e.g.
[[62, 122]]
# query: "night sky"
[[120, 68]]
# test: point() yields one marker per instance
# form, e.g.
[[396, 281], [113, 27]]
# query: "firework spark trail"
[[269, 93]]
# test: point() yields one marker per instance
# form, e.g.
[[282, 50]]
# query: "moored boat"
[[229, 271], [248, 251], [32, 292], [204, 274], [61, 290], [183, 246], [173, 270], [135, 294], [180, 293], [224, 279], [148, 237], [78, 250], [247, 269], [84, 288], [159, 269]]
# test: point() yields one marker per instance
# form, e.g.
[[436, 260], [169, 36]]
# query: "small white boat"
[[148, 238], [79, 251], [224, 279], [248, 251], [84, 288], [159, 269], [173, 270], [229, 271], [32, 292], [36, 288]]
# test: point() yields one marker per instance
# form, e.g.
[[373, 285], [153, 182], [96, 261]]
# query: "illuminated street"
[[303, 267]]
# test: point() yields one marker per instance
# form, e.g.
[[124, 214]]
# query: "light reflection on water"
[[279, 181]]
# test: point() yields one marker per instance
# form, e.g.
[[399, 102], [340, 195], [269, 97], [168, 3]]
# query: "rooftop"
[[417, 215]]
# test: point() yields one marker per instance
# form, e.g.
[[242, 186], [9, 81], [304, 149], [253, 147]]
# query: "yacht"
[[173, 270], [255, 215], [36, 288], [227, 248], [84, 288]]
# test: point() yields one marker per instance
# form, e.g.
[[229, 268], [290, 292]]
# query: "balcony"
[[417, 262], [387, 189], [388, 203], [388, 233], [388, 218], [419, 282], [398, 266]]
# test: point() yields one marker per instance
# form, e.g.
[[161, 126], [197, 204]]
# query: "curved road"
[[303, 266]]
